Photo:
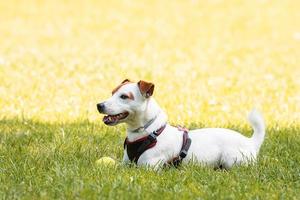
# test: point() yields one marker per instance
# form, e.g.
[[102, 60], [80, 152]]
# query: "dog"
[[152, 142]]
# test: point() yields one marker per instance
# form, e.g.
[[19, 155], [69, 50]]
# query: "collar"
[[143, 128], [153, 135]]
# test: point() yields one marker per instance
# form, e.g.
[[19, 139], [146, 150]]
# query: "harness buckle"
[[183, 154], [152, 137]]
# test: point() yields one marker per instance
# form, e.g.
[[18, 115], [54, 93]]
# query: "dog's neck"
[[151, 119]]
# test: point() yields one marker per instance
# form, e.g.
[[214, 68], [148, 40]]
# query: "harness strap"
[[186, 143], [137, 148], [151, 139]]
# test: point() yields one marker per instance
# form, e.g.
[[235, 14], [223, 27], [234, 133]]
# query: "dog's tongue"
[[108, 119], [112, 119]]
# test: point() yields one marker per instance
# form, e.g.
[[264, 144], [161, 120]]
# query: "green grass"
[[55, 160]]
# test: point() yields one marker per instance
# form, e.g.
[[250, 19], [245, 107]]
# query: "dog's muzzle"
[[111, 119]]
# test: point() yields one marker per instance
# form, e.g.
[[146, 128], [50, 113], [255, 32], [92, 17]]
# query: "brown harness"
[[136, 148]]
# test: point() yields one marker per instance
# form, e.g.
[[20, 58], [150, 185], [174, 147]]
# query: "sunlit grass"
[[211, 61]]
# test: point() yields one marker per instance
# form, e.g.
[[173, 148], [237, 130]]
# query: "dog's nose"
[[101, 107]]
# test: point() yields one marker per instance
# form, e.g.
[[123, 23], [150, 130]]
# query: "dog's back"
[[226, 147]]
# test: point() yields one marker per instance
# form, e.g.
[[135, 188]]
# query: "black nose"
[[101, 107]]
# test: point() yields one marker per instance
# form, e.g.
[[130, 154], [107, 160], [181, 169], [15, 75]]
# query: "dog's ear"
[[118, 87], [146, 88], [125, 81]]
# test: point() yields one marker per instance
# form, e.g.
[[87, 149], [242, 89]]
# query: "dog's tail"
[[257, 122]]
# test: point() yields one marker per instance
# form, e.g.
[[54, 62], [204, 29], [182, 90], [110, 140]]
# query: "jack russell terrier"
[[151, 141]]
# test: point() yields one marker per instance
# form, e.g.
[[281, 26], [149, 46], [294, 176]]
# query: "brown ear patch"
[[126, 81], [146, 88]]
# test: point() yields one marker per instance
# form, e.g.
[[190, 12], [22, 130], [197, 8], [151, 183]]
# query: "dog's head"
[[127, 102]]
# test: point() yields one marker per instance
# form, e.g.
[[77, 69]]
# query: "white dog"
[[152, 142]]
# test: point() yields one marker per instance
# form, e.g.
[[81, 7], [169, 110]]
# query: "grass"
[[46, 161], [211, 62]]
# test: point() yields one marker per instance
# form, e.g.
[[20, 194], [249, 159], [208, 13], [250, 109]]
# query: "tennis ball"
[[107, 161]]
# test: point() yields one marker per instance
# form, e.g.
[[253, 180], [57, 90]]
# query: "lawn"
[[211, 62], [57, 160]]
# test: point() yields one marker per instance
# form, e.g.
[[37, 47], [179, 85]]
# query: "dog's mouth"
[[114, 119]]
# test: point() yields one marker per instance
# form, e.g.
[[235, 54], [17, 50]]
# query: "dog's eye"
[[124, 96]]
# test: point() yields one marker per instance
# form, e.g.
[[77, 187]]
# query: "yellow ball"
[[107, 161]]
